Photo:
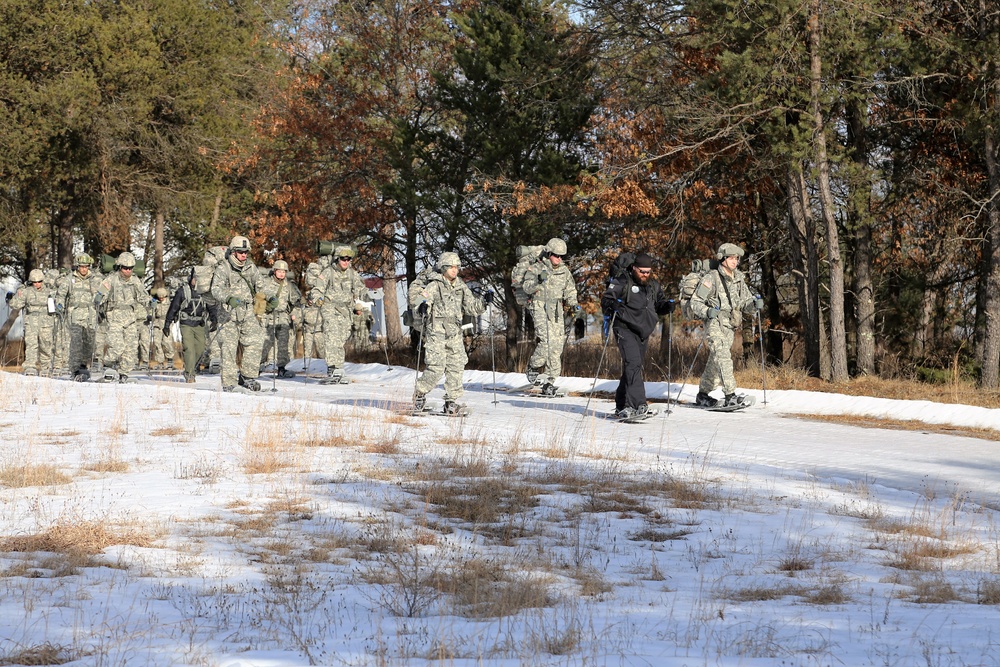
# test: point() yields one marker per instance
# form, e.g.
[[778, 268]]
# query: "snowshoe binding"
[[732, 403], [81, 375], [335, 376]]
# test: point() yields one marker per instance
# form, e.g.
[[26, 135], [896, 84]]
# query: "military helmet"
[[239, 243], [36, 276], [126, 260], [280, 265], [729, 250], [556, 247], [449, 259], [344, 251], [83, 259]]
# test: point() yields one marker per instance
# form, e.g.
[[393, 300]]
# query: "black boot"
[[705, 401]]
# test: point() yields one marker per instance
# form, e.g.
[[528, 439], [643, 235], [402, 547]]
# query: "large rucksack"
[[203, 273], [689, 283], [410, 316], [526, 256]]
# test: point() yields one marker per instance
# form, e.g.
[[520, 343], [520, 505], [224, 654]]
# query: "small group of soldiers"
[[70, 319]]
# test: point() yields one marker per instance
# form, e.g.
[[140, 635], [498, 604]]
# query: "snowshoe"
[[629, 415], [249, 383], [81, 375], [419, 402], [335, 376], [533, 375], [551, 391], [732, 403], [111, 375], [285, 373], [236, 389]]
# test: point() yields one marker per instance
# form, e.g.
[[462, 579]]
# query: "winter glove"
[[10, 295], [670, 307], [543, 276], [272, 303], [422, 309], [234, 302], [713, 313], [166, 331], [577, 309], [59, 308], [149, 320], [488, 298], [758, 304]]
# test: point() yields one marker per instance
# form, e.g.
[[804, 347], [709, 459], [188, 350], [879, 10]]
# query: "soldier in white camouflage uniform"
[[122, 297], [279, 323], [550, 285], [441, 304], [312, 318], [719, 301], [338, 290], [33, 300], [235, 286], [162, 352], [75, 294]]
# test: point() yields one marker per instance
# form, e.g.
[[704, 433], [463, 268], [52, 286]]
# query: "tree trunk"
[[991, 339], [864, 290], [64, 239], [805, 264], [158, 250], [838, 331]]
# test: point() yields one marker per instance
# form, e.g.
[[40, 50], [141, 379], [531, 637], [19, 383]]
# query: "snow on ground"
[[167, 524]]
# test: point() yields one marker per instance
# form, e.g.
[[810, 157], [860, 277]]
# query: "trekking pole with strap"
[[274, 352], [493, 354], [670, 365], [600, 362], [420, 345], [763, 374], [385, 338], [688, 374]]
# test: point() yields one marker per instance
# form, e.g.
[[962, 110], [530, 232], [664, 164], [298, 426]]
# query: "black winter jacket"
[[641, 310]]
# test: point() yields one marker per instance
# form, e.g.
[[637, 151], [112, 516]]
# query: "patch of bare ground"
[[904, 425]]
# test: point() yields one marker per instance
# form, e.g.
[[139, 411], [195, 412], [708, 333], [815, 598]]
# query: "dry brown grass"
[[42, 654], [905, 425], [80, 538], [169, 431], [492, 506], [59, 437], [32, 474], [107, 465]]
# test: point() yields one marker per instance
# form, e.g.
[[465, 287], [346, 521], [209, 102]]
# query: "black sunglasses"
[[345, 259]]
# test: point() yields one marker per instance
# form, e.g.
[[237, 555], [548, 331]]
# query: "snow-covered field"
[[169, 524]]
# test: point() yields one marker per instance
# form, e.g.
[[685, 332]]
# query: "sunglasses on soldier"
[[345, 258]]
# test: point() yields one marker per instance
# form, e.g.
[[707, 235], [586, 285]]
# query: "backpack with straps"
[[689, 283], [204, 272], [526, 256]]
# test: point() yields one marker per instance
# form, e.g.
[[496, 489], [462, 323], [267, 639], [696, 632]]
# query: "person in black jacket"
[[635, 305], [195, 314]]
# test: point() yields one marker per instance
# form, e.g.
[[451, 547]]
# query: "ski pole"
[[688, 374], [763, 374], [420, 345], [274, 352], [600, 362], [493, 354], [670, 349]]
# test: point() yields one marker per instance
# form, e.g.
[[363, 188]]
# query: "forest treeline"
[[849, 145]]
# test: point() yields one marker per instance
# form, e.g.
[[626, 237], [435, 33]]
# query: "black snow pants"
[[631, 388]]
